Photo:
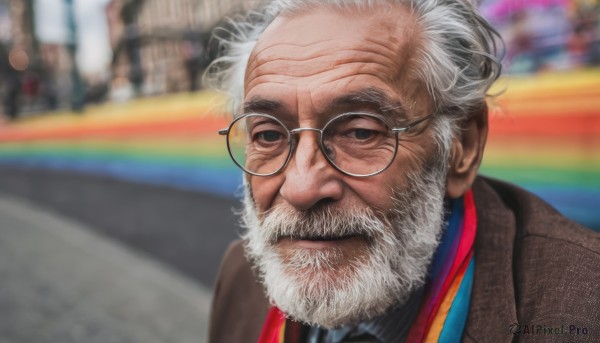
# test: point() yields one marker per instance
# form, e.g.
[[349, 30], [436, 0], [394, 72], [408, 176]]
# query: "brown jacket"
[[532, 267]]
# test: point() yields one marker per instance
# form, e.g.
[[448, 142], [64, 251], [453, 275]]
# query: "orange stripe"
[[559, 94], [440, 317], [282, 332], [184, 125]]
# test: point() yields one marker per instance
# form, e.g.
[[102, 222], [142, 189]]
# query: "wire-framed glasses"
[[358, 144]]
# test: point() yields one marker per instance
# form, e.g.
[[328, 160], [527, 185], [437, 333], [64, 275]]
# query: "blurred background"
[[116, 193]]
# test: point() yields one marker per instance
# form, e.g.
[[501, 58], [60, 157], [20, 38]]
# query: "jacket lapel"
[[492, 309]]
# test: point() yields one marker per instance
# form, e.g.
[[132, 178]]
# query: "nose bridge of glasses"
[[300, 129], [296, 140]]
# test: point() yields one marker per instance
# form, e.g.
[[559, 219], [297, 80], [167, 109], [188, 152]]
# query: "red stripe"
[[272, 327], [545, 125]]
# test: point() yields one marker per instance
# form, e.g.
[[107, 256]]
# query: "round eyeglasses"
[[358, 144]]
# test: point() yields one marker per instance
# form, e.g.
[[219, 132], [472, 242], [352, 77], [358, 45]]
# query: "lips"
[[318, 238], [324, 238], [321, 242]]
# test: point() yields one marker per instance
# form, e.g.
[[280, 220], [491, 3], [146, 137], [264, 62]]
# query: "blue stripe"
[[452, 228], [459, 310], [220, 181]]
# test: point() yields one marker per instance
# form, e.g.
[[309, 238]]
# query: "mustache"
[[321, 223]]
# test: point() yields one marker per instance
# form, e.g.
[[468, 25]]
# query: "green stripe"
[[573, 177]]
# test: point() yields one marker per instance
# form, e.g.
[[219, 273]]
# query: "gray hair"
[[456, 59]]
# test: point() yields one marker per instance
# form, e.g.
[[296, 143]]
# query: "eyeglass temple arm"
[[223, 132], [413, 124]]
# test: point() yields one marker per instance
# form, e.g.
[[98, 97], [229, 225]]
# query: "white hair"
[[456, 58]]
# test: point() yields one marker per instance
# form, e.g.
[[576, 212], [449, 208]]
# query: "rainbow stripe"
[[445, 307], [169, 140], [544, 135], [273, 330]]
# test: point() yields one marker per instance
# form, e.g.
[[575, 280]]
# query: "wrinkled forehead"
[[377, 41], [393, 22]]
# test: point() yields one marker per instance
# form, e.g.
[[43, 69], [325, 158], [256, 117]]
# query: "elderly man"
[[360, 126]]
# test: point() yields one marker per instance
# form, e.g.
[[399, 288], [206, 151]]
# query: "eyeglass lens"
[[357, 144]]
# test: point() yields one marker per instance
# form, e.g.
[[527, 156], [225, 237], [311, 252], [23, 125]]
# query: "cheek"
[[376, 191], [264, 191]]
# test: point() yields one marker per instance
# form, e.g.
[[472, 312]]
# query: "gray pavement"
[[188, 231], [61, 281]]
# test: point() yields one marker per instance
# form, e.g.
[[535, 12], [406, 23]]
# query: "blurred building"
[[210, 12], [17, 17], [160, 46], [171, 30], [5, 21], [34, 75], [545, 35], [19, 59], [57, 65]]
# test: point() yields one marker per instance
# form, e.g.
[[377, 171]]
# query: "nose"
[[309, 178]]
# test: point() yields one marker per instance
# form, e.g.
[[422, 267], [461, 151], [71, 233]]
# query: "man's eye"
[[362, 134], [269, 136]]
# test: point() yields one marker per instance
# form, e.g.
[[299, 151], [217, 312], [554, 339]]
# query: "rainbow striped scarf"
[[445, 306]]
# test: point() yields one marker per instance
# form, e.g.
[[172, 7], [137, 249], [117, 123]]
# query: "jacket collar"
[[492, 309]]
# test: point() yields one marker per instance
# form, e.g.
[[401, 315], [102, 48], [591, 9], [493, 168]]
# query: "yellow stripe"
[[558, 82], [282, 332], [146, 110]]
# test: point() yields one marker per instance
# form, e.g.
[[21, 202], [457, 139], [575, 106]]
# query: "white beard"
[[320, 286]]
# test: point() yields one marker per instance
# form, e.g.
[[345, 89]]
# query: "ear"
[[467, 152]]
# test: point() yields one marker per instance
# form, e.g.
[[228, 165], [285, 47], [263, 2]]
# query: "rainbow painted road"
[[544, 135], [165, 140]]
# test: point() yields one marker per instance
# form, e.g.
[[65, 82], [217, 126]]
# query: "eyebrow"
[[374, 98], [261, 105], [368, 97]]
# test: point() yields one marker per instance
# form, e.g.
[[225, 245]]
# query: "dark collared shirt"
[[391, 327]]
